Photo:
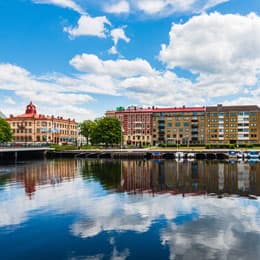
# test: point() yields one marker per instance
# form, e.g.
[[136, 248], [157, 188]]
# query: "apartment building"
[[232, 124], [33, 127], [189, 125], [136, 124], [183, 125]]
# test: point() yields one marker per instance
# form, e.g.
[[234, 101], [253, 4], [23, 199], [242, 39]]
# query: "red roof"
[[31, 112]]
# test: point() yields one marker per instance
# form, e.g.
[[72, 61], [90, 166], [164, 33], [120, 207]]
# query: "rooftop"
[[160, 109], [31, 112], [220, 108]]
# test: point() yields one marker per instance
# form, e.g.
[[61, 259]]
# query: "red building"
[[34, 127]]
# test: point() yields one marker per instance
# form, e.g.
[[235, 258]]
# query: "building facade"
[[233, 124], [189, 125], [34, 127]]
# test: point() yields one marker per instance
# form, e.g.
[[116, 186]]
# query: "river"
[[130, 209]]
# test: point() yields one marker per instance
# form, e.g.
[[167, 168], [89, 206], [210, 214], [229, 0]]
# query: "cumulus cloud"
[[118, 34], [54, 89], [167, 7], [223, 49], [62, 3], [116, 68], [117, 8], [89, 26]]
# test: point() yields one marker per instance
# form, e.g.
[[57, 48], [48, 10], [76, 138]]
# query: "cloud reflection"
[[219, 225]]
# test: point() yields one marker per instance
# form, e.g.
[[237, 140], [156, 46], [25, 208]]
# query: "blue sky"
[[79, 58]]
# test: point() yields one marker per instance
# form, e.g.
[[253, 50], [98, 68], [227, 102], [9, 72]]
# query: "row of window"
[[44, 124], [231, 136], [242, 113]]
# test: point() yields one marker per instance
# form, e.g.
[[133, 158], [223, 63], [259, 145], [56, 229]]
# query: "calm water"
[[89, 209]]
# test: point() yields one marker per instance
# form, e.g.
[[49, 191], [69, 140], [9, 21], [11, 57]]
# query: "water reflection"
[[186, 177], [102, 209], [31, 175]]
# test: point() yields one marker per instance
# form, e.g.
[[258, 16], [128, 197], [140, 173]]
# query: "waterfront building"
[[34, 127], [189, 125], [136, 124], [183, 125], [232, 124]]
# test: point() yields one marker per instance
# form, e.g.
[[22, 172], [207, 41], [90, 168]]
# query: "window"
[[178, 124]]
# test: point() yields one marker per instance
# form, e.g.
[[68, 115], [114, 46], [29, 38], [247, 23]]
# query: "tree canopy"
[[86, 128], [6, 133], [107, 131]]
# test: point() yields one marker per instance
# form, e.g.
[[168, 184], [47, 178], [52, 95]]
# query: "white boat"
[[179, 155], [240, 155], [190, 155]]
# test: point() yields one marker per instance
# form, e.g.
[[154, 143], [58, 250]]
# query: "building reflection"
[[143, 176], [44, 173], [190, 177]]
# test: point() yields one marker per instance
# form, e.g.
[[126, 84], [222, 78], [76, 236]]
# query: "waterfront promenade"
[[21, 153]]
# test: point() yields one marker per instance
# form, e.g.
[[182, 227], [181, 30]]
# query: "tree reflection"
[[107, 172]]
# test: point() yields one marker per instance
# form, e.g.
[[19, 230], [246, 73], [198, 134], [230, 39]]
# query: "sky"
[[80, 58]]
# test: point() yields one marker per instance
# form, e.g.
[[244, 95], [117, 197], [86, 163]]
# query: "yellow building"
[[189, 125], [232, 124], [33, 127]]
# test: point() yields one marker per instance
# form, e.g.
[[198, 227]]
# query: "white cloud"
[[56, 91], [91, 26], [116, 68], [113, 50], [118, 8], [223, 49], [62, 3], [167, 7], [117, 34]]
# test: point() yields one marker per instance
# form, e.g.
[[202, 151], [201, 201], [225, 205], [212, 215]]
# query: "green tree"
[[6, 133], [107, 131], [86, 127]]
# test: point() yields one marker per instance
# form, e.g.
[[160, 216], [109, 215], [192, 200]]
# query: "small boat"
[[232, 154], [240, 155], [179, 155], [253, 155], [156, 155], [190, 155]]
